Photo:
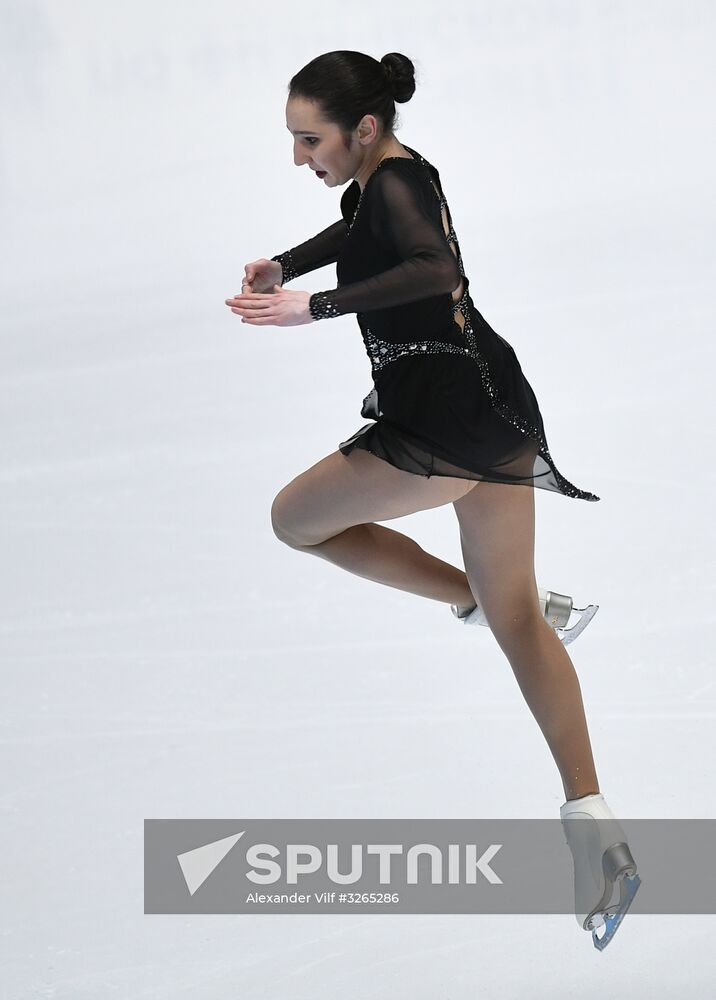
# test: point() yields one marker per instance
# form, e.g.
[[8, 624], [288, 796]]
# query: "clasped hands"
[[277, 308]]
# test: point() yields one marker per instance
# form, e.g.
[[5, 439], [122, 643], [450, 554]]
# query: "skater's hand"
[[261, 276], [280, 308]]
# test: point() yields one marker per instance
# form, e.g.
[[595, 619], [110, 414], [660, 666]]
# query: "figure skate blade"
[[628, 886], [568, 635]]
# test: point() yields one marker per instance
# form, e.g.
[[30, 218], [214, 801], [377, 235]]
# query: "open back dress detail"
[[449, 396]]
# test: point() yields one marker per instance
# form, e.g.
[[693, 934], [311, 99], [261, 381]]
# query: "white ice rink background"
[[163, 654]]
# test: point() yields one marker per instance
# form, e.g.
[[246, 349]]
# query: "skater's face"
[[320, 144]]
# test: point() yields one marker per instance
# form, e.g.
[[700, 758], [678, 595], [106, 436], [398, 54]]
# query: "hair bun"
[[400, 76]]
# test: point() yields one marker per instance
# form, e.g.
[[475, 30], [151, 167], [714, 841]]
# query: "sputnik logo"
[[198, 864]]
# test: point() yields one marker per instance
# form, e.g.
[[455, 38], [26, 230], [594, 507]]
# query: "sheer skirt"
[[444, 415]]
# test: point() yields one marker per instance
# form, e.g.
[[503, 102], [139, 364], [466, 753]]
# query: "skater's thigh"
[[497, 536], [343, 490]]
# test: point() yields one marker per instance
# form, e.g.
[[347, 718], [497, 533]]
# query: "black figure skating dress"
[[449, 397]]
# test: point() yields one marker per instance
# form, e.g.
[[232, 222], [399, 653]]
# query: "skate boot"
[[556, 608], [601, 858]]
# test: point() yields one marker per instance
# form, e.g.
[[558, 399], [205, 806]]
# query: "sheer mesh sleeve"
[[322, 249], [395, 202]]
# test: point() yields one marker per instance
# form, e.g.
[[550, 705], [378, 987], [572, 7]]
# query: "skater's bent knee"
[[283, 533], [281, 525], [286, 538], [286, 534]]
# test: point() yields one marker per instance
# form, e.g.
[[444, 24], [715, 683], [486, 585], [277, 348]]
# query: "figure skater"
[[453, 420]]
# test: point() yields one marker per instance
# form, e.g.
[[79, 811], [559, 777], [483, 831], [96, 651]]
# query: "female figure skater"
[[454, 420]]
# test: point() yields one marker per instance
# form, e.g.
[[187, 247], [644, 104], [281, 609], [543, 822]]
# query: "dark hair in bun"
[[348, 85], [400, 73]]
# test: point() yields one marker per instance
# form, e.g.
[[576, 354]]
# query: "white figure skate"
[[601, 858], [556, 608]]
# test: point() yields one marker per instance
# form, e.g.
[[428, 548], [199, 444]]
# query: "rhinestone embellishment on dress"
[[321, 307], [288, 269]]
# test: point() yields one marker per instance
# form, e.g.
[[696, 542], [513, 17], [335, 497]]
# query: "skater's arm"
[[319, 250], [408, 227]]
